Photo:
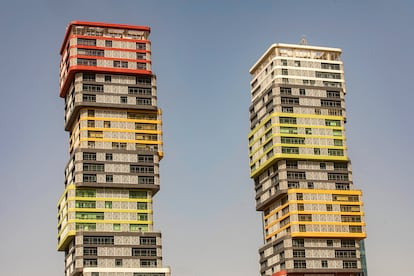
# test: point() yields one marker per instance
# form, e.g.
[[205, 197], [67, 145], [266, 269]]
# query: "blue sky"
[[202, 51]]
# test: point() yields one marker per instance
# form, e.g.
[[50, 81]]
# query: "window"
[[324, 263], [123, 99], [91, 123], [338, 176], [335, 152], [298, 243], [88, 98], [322, 166], [296, 175], [139, 91], [299, 196], [299, 264], [329, 243], [95, 134], [142, 206], [143, 81], [347, 243], [90, 251], [284, 62], [92, 87], [86, 61], [350, 264], [109, 178], [108, 157], [289, 130], [305, 217], [298, 253], [88, 167], [141, 169], [285, 72], [108, 78], [341, 166], [142, 216], [330, 103], [144, 252], [328, 75], [150, 137], [310, 185], [338, 142], [308, 131], [89, 156], [351, 198], [148, 263], [141, 65], [94, 273], [145, 158], [287, 120], [88, 77], [285, 91], [292, 140], [302, 92], [90, 262], [90, 52], [89, 178], [293, 185], [117, 227], [146, 180], [98, 240], [143, 101], [90, 215], [332, 122], [292, 101], [91, 144], [290, 150], [118, 145], [317, 151], [107, 124], [350, 208], [120, 64], [301, 207], [333, 94], [141, 56], [118, 262], [350, 218], [85, 204], [345, 254], [287, 109], [91, 113], [329, 207], [85, 193], [138, 194], [297, 63], [138, 227], [147, 240], [330, 66], [85, 41], [342, 186], [108, 43], [141, 46]]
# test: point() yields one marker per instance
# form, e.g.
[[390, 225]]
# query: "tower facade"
[[313, 222], [105, 218]]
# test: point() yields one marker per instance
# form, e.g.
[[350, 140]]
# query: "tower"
[[312, 214], [105, 218]]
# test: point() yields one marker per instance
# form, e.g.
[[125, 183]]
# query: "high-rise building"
[[313, 222], [105, 217]]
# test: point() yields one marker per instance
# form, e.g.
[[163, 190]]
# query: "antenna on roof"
[[303, 40]]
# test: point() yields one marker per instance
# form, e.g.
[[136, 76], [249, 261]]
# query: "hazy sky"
[[202, 51]]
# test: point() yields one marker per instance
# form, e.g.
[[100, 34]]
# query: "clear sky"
[[202, 51]]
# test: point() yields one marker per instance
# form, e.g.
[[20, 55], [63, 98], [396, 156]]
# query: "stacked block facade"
[[313, 220], [105, 217]]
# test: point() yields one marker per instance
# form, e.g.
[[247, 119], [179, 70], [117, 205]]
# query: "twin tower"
[[312, 215]]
